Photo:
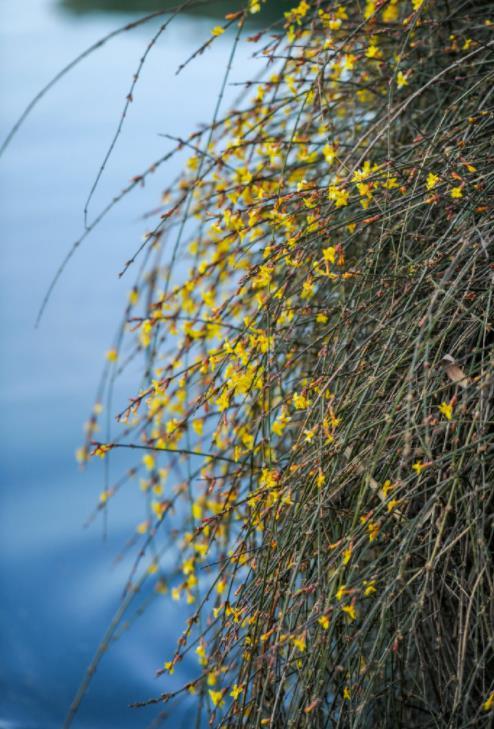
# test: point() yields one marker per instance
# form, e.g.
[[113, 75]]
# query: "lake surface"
[[58, 580]]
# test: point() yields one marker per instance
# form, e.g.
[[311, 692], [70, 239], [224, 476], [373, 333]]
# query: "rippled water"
[[59, 584]]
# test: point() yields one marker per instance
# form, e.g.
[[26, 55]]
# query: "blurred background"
[[60, 583]]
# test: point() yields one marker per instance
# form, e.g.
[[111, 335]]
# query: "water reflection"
[[214, 9]]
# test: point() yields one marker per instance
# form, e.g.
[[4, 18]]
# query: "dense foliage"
[[315, 421]]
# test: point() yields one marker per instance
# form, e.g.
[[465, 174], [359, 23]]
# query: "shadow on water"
[[270, 13]]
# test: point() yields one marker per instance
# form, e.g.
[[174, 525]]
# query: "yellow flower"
[[431, 181], [169, 666], [456, 192], [300, 643], [216, 698], [373, 528], [329, 254], [348, 62], [148, 461], [342, 591], [217, 30], [299, 401], [307, 289], [198, 426], [112, 355], [417, 4], [392, 504], [280, 423], [373, 52], [323, 622], [401, 80], [101, 450], [158, 507], [193, 163], [390, 184], [81, 455], [142, 527], [350, 611], [309, 434], [236, 691], [370, 9], [188, 566], [220, 587], [329, 153], [489, 702], [346, 694], [369, 587], [263, 277], [338, 195], [391, 12], [223, 401], [268, 479], [290, 82], [419, 467], [446, 409], [145, 333], [201, 653]]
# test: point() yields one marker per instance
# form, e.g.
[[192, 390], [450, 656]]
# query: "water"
[[59, 584]]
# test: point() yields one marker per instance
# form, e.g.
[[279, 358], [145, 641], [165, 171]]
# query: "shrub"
[[314, 319]]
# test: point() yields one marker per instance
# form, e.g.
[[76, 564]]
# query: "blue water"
[[59, 584]]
